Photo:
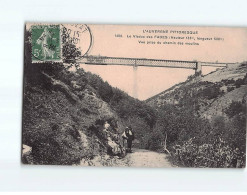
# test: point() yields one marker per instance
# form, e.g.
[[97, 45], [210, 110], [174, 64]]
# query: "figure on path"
[[128, 135]]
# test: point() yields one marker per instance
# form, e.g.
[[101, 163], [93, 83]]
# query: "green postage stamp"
[[46, 43]]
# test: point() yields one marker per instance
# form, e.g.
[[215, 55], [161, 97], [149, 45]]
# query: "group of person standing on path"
[[129, 136]]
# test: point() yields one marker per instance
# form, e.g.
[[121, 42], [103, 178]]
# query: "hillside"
[[209, 95], [205, 115], [74, 117]]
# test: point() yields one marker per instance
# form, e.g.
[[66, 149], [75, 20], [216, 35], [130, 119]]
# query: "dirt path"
[[146, 158]]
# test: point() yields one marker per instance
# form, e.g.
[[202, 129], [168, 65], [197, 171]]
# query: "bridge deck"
[[139, 62], [103, 60]]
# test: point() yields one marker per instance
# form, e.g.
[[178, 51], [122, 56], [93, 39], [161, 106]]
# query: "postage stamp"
[[46, 43]]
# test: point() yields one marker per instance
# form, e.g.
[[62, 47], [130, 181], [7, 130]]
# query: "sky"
[[145, 82]]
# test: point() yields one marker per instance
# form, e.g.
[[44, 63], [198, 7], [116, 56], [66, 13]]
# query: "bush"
[[217, 154], [212, 92], [155, 140], [235, 108], [239, 82], [220, 143], [230, 88]]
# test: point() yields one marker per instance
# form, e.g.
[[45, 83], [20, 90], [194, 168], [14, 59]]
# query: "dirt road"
[[146, 158], [138, 158]]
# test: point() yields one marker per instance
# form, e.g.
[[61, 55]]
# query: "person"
[[128, 135], [43, 41]]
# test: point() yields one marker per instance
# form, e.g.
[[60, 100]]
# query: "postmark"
[[76, 41]]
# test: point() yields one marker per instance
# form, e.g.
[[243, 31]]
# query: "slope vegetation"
[[204, 119], [74, 117]]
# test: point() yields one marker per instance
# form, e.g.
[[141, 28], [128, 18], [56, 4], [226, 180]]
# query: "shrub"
[[216, 154], [230, 88], [239, 82], [235, 108], [212, 92], [155, 140]]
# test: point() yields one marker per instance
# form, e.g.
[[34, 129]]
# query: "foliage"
[[197, 142], [216, 154], [70, 52], [155, 140], [235, 108], [230, 88], [201, 144], [125, 106], [211, 92], [239, 82], [54, 137]]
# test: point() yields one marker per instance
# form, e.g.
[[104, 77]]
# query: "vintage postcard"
[[134, 96]]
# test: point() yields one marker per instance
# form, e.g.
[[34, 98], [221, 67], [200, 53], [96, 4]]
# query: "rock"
[[26, 149], [26, 154], [83, 162], [113, 146], [74, 85], [83, 140], [106, 125]]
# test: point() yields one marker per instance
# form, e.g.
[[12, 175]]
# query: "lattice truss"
[[101, 60], [215, 64]]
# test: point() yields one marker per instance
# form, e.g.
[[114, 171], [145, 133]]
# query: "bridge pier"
[[135, 85], [198, 70]]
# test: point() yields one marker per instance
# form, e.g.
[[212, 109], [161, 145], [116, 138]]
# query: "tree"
[[239, 82], [70, 52]]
